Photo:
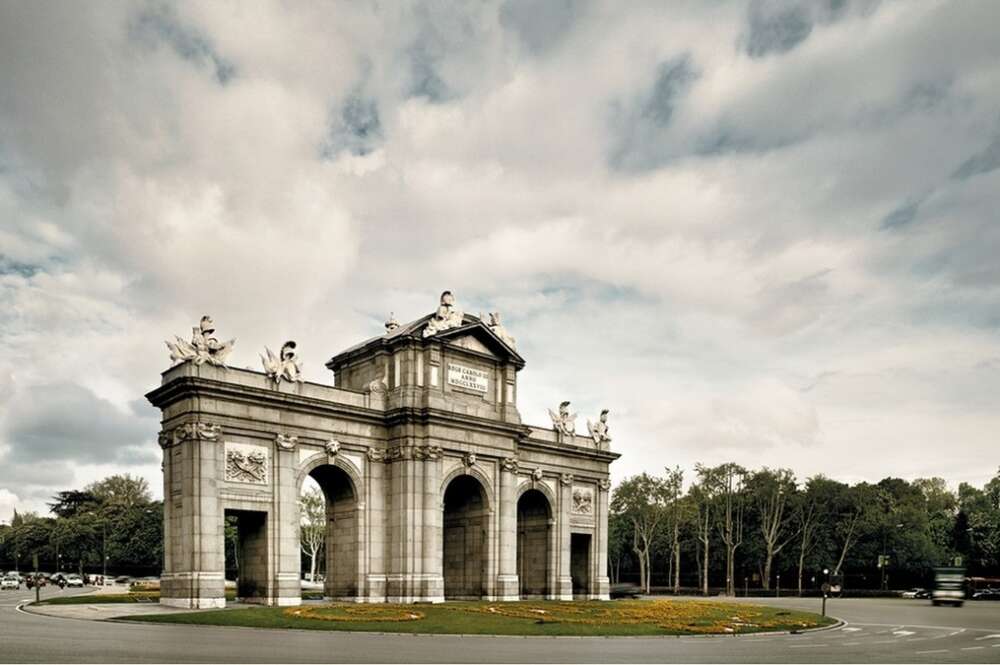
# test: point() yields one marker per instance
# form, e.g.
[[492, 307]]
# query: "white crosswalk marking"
[[903, 633]]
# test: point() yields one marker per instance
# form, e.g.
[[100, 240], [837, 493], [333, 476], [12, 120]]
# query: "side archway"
[[535, 531], [465, 551]]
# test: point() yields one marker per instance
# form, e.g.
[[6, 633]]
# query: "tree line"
[[735, 527], [113, 523]]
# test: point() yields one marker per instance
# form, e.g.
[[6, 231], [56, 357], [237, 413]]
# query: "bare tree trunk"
[[677, 558], [847, 544], [802, 561]]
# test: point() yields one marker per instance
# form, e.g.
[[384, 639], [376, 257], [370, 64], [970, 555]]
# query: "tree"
[[312, 519], [854, 508], [619, 537], [673, 484], [642, 500], [702, 495], [770, 491], [729, 481], [70, 503], [121, 490], [811, 513]]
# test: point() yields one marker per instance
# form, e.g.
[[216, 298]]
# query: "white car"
[[74, 580], [10, 582]]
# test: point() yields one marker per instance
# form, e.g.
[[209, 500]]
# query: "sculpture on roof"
[[204, 347], [500, 331], [286, 366], [391, 324], [448, 315], [563, 422], [599, 431]]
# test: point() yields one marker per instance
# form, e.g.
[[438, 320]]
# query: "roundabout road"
[[877, 630]]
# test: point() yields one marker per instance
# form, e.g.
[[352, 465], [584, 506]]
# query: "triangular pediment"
[[476, 336], [471, 343]]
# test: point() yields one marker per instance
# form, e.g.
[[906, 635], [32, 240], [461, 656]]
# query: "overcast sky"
[[764, 233]]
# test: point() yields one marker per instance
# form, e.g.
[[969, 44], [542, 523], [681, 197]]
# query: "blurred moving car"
[[987, 594], [74, 580], [949, 587], [10, 582], [625, 591], [916, 592], [123, 579]]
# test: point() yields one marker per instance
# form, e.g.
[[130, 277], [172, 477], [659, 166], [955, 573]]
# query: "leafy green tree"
[[642, 500], [770, 492]]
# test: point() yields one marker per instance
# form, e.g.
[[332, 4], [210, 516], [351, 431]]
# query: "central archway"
[[464, 551], [342, 534]]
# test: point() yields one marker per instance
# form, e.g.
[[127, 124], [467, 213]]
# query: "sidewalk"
[[103, 611]]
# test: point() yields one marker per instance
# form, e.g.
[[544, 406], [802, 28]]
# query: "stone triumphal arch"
[[434, 487]]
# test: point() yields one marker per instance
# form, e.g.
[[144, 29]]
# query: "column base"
[[507, 588], [194, 603], [564, 589]]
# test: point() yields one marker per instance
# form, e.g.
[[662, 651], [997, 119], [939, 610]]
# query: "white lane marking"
[[903, 633], [972, 648], [988, 637], [807, 646], [932, 651], [851, 629], [849, 644], [916, 639], [884, 642]]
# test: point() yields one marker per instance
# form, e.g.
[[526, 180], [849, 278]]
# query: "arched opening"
[[534, 515], [330, 548], [464, 551]]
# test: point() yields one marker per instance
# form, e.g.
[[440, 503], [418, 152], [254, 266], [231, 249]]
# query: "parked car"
[[916, 592], [74, 580], [10, 582], [123, 579], [987, 594]]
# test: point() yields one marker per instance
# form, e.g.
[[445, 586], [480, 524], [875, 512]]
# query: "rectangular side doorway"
[[579, 564], [250, 555]]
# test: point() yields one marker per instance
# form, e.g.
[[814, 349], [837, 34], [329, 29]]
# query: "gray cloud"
[[159, 23], [67, 422], [541, 24], [984, 161], [641, 125]]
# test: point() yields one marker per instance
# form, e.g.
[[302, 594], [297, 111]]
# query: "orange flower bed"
[[358, 613], [684, 616]]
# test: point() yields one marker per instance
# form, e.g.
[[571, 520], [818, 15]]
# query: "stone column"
[[196, 578], [432, 588], [374, 535], [564, 580], [286, 559], [405, 514], [507, 587], [601, 586]]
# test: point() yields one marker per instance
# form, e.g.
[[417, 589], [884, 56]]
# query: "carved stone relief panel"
[[583, 500], [247, 463]]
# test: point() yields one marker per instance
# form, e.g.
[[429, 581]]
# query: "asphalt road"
[[881, 631]]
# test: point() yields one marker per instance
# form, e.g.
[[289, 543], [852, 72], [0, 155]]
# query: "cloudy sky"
[[759, 232]]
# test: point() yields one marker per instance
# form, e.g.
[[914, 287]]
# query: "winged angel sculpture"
[[285, 366], [563, 421], [203, 347]]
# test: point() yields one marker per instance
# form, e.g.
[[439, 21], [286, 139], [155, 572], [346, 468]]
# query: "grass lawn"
[[624, 617]]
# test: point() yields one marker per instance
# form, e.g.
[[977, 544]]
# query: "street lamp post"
[[826, 588]]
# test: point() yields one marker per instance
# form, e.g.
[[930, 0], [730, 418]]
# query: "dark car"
[[626, 591]]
